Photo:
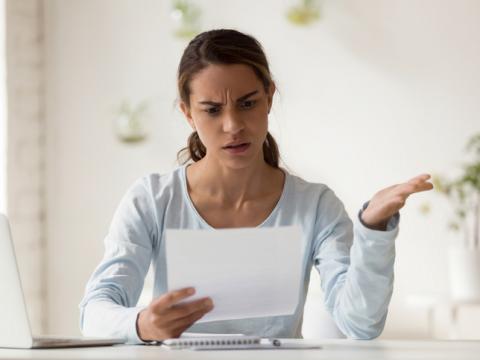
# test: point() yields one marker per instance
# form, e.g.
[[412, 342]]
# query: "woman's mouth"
[[237, 149]]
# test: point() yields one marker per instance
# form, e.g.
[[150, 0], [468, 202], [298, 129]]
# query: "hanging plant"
[[304, 14], [187, 17], [130, 121]]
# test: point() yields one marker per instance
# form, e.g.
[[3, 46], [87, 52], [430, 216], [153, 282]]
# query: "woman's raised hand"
[[164, 318], [388, 201]]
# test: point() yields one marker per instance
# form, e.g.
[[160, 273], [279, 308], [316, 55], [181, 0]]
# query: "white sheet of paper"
[[248, 272]]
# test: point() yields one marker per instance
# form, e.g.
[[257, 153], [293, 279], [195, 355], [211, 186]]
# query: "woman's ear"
[[188, 114], [271, 91]]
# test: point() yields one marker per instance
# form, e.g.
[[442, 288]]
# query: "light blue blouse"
[[355, 263]]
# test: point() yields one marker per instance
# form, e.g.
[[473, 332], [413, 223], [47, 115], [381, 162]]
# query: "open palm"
[[388, 201]]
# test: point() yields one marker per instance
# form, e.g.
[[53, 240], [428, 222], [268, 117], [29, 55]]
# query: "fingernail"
[[208, 302], [191, 291]]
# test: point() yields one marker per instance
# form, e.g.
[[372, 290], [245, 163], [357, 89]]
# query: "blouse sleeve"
[[355, 264], [109, 307]]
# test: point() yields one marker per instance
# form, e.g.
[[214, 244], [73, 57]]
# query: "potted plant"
[[464, 194]]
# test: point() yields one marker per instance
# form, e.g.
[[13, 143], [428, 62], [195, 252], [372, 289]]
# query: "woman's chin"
[[239, 163]]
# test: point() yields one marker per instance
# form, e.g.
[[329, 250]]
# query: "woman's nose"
[[232, 123]]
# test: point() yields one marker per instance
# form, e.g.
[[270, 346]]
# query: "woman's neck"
[[230, 186]]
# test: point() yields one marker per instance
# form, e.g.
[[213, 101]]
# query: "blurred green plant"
[[464, 194], [304, 14], [187, 16]]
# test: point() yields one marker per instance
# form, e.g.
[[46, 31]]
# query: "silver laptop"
[[14, 324]]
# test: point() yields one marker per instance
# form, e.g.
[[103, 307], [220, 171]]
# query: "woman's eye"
[[248, 103], [212, 111]]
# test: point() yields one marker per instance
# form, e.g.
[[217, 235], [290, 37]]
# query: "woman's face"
[[229, 107]]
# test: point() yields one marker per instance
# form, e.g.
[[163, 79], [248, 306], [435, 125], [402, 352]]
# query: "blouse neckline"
[[189, 201]]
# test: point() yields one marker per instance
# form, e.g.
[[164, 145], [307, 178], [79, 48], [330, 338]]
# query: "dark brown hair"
[[222, 46]]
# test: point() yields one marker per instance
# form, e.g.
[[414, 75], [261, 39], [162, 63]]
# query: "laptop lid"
[[14, 325]]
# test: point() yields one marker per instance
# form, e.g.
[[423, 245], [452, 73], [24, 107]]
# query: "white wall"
[[372, 95], [3, 112]]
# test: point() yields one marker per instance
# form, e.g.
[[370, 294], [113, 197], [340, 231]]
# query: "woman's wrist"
[[379, 226], [140, 330]]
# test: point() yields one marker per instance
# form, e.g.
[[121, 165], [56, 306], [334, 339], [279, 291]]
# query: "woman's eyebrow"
[[241, 98]]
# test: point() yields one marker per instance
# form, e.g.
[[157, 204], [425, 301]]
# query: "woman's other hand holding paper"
[[165, 318]]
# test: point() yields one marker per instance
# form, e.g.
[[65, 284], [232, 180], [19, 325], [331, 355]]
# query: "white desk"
[[333, 349]]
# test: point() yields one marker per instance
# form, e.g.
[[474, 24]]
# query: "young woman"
[[234, 180]]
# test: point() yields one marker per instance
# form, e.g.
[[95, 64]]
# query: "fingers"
[[414, 185], [390, 200], [183, 310], [171, 298], [184, 323], [421, 177], [165, 317]]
